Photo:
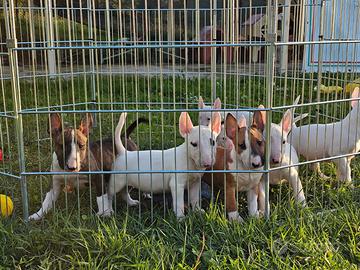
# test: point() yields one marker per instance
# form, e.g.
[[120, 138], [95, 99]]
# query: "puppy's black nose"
[[255, 165], [275, 161], [71, 169]]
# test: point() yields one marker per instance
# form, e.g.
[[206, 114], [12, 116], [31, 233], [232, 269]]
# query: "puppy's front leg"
[[297, 187], [177, 193], [252, 198], [261, 195], [194, 194], [343, 170], [50, 198], [230, 197], [316, 168]]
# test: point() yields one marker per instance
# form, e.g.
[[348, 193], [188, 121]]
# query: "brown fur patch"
[[257, 142], [223, 181]]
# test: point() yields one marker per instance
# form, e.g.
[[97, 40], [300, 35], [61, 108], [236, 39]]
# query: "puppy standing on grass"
[[327, 140], [283, 154], [73, 153], [247, 152], [196, 153]]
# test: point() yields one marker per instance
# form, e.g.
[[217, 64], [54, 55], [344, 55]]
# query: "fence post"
[[320, 58], [11, 43], [92, 60], [272, 9], [51, 61], [213, 48]]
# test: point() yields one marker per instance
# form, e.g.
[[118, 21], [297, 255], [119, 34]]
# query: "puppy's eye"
[[242, 146], [209, 118], [193, 144], [259, 142], [81, 146], [284, 141], [212, 142]]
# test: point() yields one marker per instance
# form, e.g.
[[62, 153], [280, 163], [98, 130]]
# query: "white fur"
[[73, 161], [183, 157], [283, 154], [57, 183], [317, 141]]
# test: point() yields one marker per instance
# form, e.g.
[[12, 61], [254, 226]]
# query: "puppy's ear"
[[242, 122], [231, 126], [217, 103], [355, 94], [185, 124], [259, 119], [201, 103], [86, 124], [215, 124], [286, 121], [55, 124]]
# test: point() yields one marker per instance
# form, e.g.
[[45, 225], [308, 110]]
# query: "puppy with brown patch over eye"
[[246, 153], [73, 153]]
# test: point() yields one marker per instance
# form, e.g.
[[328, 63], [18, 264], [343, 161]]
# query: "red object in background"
[[205, 52], [1, 155]]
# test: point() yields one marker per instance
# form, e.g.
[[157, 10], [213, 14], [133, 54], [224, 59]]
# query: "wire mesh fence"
[[70, 68]]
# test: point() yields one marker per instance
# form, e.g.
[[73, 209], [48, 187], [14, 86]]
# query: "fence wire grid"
[[69, 69]]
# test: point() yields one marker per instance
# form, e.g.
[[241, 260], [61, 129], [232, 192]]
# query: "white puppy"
[[317, 141], [283, 154], [196, 153]]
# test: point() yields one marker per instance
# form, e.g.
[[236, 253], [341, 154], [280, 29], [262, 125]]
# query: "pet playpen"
[[154, 59]]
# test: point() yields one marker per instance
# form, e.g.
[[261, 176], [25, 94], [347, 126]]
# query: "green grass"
[[325, 235]]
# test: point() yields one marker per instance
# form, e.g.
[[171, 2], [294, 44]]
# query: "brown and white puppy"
[[73, 153], [247, 152]]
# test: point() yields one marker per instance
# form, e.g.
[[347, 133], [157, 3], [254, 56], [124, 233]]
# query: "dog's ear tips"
[[242, 122], [217, 103], [259, 118], [201, 103], [86, 124], [215, 124], [355, 94], [230, 126], [286, 121], [185, 124], [55, 123]]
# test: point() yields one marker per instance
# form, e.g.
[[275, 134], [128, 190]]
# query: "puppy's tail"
[[301, 116], [298, 118], [118, 143], [134, 124]]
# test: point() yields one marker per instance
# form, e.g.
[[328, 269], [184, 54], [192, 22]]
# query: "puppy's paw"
[[347, 183], [303, 204], [234, 216], [323, 176], [199, 210], [132, 202], [256, 214], [106, 213], [147, 195], [35, 217]]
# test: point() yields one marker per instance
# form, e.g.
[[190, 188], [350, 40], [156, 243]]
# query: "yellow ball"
[[6, 205]]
